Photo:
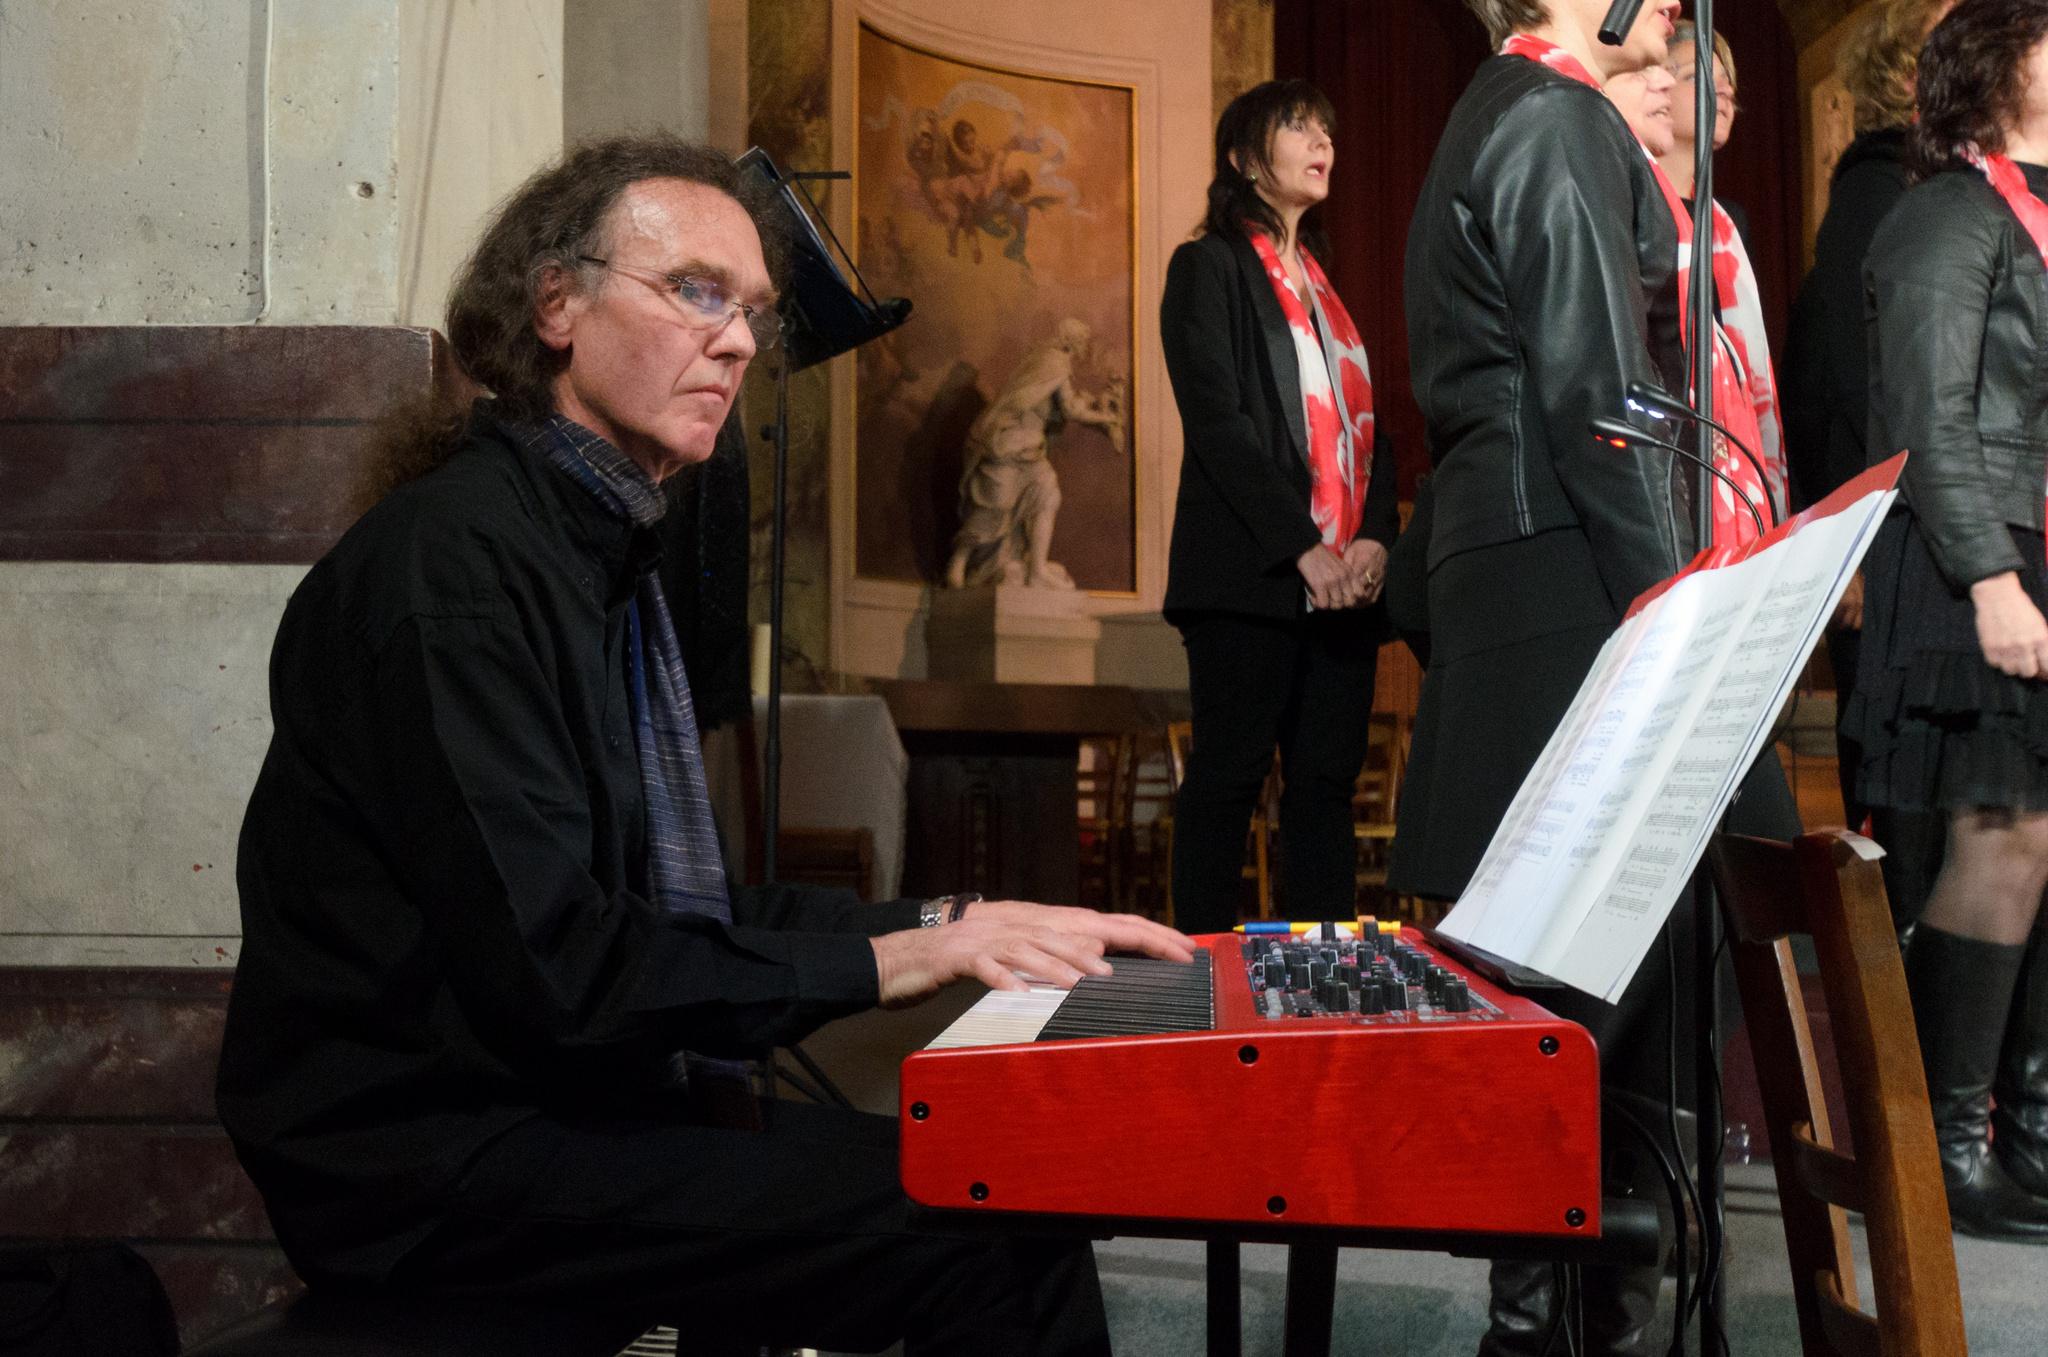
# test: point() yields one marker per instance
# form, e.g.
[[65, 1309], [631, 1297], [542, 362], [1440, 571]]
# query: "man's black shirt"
[[442, 869]]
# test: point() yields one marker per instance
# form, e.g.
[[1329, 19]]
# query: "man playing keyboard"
[[496, 996]]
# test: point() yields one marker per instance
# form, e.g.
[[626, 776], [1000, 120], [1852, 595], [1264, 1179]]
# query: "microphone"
[[1621, 434], [1653, 401], [1621, 17]]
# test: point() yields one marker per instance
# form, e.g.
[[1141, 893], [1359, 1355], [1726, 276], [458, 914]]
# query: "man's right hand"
[[994, 942]]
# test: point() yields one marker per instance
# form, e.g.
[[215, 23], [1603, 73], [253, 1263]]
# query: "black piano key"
[[1144, 995]]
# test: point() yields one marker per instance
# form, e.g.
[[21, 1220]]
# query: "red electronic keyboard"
[[1278, 1080]]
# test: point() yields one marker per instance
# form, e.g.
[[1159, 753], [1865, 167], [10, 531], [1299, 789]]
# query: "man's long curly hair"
[[1972, 80], [534, 243]]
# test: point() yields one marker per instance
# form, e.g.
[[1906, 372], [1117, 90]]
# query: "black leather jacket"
[[1957, 301], [1539, 234]]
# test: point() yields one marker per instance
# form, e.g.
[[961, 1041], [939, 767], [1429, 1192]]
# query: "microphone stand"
[[1706, 907], [1614, 30]]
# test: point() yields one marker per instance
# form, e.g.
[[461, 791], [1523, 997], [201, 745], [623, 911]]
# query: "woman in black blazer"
[[1285, 514]]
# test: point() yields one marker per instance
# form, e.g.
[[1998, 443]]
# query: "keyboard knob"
[[1348, 973], [1457, 997], [1371, 998], [1297, 975], [1397, 996], [1276, 973]]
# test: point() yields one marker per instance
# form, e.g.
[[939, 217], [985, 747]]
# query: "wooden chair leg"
[[1265, 878]]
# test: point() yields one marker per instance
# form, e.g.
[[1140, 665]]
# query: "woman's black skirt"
[[1940, 729]]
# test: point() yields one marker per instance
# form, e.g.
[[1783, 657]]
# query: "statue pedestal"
[[1005, 633]]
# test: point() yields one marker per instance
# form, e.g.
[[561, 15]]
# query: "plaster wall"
[[221, 162], [135, 718], [211, 162], [632, 65], [480, 108], [197, 161]]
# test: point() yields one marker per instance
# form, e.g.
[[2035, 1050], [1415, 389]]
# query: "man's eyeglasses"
[[703, 303]]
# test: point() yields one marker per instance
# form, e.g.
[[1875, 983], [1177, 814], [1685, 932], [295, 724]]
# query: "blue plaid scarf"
[[684, 872]]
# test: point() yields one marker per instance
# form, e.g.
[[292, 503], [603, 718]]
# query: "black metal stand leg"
[[1226, 1319], [1311, 1299], [771, 752], [1706, 1074]]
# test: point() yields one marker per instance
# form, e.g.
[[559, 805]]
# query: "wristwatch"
[[945, 909]]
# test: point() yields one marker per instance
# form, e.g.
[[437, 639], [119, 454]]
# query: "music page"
[[1611, 821]]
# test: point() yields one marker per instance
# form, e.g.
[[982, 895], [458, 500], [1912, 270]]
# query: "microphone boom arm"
[[1618, 432]]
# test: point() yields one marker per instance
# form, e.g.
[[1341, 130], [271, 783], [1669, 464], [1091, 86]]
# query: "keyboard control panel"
[[1375, 978]]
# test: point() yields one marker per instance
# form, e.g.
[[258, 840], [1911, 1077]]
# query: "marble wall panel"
[[119, 1182], [86, 1043], [214, 1285], [194, 444], [135, 712]]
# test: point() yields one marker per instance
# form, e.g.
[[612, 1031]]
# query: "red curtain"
[[1394, 68]]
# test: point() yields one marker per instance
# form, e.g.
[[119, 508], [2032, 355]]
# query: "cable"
[[1675, 1187], [1664, 405], [1621, 434], [1684, 1312]]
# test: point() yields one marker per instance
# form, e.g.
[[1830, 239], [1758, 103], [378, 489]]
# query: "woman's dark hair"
[[1972, 79], [538, 236], [1246, 129]]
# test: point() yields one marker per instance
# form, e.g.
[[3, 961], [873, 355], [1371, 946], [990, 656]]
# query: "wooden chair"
[[1096, 789], [1824, 884], [1376, 797], [1144, 824]]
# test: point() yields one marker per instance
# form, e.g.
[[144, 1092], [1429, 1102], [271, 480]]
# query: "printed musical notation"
[[1616, 813]]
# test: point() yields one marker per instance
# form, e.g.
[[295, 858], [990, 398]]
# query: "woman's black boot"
[[2019, 1124], [1962, 990]]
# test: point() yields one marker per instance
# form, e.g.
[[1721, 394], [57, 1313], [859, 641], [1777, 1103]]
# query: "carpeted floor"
[[1428, 1305]]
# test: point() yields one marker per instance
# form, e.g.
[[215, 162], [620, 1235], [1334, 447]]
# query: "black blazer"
[[1824, 380], [1242, 518]]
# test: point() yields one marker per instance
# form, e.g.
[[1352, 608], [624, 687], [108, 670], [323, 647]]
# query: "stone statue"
[[1009, 493]]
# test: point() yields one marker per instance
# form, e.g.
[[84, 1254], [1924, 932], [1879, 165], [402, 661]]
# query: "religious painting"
[[994, 440]]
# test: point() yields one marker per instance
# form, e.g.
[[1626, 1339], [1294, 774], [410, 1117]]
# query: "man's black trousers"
[[799, 1235], [1254, 683]]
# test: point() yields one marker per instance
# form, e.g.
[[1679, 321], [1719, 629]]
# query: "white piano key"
[[1001, 1017]]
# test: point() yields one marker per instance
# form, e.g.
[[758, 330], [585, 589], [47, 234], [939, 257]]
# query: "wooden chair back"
[[1828, 885]]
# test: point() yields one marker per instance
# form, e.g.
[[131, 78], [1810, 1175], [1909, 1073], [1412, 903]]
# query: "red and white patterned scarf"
[[1745, 391], [1336, 397], [2005, 176]]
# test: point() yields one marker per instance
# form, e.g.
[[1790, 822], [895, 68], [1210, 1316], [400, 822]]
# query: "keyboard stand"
[[1629, 1237]]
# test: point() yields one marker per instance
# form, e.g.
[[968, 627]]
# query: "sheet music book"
[[1616, 813]]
